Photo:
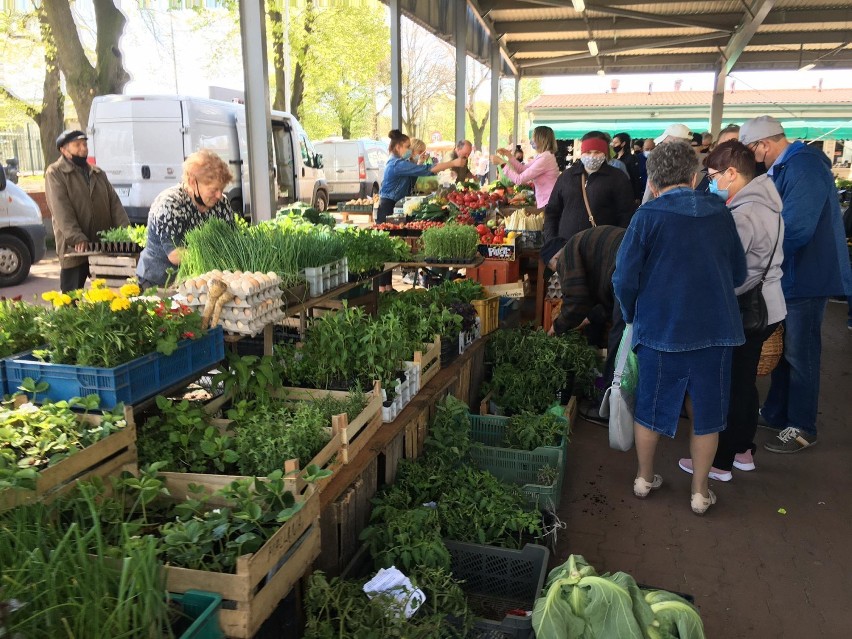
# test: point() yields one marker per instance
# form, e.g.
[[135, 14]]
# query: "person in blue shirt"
[[816, 267], [675, 275], [400, 176]]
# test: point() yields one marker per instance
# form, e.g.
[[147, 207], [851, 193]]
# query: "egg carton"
[[242, 285], [251, 327], [248, 314]]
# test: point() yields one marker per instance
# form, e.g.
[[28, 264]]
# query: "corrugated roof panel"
[[689, 98]]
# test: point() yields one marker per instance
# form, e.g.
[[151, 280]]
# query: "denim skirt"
[[666, 378]]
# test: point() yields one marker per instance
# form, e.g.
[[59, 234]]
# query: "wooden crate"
[[551, 312], [343, 520], [262, 579], [429, 361], [115, 269], [353, 436], [106, 457], [489, 313]]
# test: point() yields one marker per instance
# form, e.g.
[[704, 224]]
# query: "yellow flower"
[[119, 304], [49, 296], [129, 290], [99, 283], [95, 295], [61, 299]]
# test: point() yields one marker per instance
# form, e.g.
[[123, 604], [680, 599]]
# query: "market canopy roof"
[[551, 37], [795, 129]]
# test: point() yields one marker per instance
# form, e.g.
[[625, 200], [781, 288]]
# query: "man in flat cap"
[[816, 267], [82, 203]]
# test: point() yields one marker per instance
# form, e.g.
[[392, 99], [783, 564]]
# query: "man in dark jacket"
[[585, 269], [816, 267], [607, 190], [82, 203], [621, 145]]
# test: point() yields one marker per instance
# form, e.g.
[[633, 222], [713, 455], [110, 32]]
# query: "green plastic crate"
[[497, 582], [519, 467], [490, 430], [203, 607]]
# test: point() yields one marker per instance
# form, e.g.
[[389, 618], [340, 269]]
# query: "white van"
[[22, 233], [353, 168], [141, 142]]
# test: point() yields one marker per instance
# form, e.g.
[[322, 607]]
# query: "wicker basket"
[[771, 353]]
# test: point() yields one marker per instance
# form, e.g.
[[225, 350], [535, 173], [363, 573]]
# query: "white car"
[[22, 233]]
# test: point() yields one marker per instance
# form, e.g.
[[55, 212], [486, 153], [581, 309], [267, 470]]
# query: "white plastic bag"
[[618, 403]]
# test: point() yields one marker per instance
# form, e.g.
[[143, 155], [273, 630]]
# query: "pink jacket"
[[542, 171]]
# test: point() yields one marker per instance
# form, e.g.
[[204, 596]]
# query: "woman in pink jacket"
[[542, 170]]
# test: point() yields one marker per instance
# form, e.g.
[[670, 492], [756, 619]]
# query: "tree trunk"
[[478, 128], [298, 93], [51, 119], [83, 80], [279, 101]]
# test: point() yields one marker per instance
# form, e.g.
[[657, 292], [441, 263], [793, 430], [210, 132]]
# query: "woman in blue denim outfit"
[[675, 276]]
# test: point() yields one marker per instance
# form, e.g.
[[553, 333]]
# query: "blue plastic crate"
[[128, 383], [203, 608]]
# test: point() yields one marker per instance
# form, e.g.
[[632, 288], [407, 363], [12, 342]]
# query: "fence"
[[24, 145]]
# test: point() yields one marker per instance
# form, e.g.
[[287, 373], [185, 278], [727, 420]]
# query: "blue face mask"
[[407, 154], [533, 145], [714, 188]]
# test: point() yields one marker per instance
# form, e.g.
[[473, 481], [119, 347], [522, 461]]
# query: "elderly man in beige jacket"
[[82, 203]]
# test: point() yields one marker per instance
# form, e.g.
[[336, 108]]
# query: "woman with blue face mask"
[[756, 207], [400, 175]]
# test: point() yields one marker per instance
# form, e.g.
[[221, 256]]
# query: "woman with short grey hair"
[[675, 276]]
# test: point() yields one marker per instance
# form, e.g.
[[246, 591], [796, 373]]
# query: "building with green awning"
[[809, 114]]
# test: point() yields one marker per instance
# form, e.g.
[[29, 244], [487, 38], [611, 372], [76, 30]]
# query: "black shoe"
[[592, 415]]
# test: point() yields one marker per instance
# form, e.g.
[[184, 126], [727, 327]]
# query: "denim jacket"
[[676, 272]]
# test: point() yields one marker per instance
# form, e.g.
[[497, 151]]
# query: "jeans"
[[794, 394], [738, 436], [71, 279]]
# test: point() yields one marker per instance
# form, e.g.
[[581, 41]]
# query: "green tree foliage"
[[338, 62]]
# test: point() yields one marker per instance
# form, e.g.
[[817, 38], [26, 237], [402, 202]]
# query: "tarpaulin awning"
[[795, 129]]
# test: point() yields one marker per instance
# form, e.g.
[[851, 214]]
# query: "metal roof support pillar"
[[718, 103], [461, 68], [253, 32], [494, 129], [396, 64], [516, 134]]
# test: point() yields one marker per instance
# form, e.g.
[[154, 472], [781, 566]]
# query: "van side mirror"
[[2, 179], [318, 160]]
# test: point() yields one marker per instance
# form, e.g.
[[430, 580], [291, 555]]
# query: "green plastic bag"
[[630, 376]]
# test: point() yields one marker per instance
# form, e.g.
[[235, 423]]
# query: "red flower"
[[188, 335]]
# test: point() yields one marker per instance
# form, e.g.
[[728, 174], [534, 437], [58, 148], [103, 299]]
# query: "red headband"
[[594, 144]]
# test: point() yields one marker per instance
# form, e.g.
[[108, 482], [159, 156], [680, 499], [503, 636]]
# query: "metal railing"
[[23, 145]]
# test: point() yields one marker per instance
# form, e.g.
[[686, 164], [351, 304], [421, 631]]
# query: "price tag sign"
[[505, 252]]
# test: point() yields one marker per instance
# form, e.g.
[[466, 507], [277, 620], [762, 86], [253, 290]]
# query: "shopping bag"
[[620, 398]]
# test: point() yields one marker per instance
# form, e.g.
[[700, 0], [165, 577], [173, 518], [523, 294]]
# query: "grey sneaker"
[[790, 440]]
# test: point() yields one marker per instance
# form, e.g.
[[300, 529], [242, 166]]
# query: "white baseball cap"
[[676, 131]]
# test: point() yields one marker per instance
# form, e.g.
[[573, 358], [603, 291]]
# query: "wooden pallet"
[[343, 520], [262, 579], [115, 269], [106, 457], [415, 433], [429, 361]]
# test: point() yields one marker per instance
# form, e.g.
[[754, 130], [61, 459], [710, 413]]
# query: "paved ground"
[[755, 573], [44, 276]]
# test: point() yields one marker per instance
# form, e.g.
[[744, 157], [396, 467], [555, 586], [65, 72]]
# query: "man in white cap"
[[816, 266], [82, 203], [673, 133]]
